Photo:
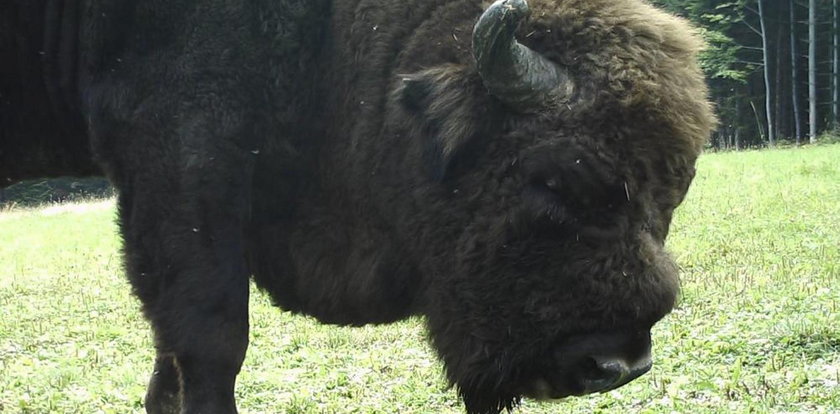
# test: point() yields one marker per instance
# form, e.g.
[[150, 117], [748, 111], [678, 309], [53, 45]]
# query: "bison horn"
[[513, 73]]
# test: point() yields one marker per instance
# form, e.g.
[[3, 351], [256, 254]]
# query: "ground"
[[757, 328]]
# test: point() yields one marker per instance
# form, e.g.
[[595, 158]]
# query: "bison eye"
[[549, 190], [572, 180], [546, 198], [553, 184], [574, 194], [557, 190]]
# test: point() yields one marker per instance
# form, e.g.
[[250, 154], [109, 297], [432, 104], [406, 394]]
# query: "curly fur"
[[346, 154]]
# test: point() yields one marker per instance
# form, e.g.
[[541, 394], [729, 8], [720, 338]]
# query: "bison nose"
[[603, 361], [607, 373]]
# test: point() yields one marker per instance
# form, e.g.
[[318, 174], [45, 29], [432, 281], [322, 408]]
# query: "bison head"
[[553, 151]]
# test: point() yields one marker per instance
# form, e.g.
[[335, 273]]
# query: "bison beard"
[[508, 171], [487, 399]]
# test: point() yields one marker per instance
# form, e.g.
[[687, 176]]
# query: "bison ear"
[[450, 107], [414, 92]]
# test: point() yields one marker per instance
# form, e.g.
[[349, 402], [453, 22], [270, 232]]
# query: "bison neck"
[[335, 264], [340, 242]]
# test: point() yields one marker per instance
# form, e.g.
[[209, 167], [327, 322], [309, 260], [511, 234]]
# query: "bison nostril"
[[602, 362], [601, 374]]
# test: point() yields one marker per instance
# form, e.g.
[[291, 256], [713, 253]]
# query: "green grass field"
[[757, 329]]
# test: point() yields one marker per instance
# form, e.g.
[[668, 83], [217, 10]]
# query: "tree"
[[768, 96], [794, 73], [835, 66], [812, 69]]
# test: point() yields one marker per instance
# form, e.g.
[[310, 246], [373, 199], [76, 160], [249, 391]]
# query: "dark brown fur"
[[347, 155]]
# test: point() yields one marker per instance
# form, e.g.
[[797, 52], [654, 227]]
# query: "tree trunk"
[[737, 129], [835, 66], [757, 121], [778, 106], [794, 71], [768, 93], [812, 69]]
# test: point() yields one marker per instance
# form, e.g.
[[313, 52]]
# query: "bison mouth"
[[596, 374], [582, 364]]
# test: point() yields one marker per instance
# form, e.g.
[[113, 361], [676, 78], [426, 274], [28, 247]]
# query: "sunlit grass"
[[757, 328]]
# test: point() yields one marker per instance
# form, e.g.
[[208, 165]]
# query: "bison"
[[506, 170]]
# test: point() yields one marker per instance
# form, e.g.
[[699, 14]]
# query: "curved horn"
[[517, 75]]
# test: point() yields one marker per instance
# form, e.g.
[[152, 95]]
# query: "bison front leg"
[[184, 181], [183, 233], [164, 393]]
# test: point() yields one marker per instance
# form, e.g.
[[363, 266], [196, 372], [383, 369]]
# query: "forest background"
[[773, 68]]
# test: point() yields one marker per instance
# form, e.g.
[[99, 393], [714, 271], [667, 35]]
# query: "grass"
[[757, 329]]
